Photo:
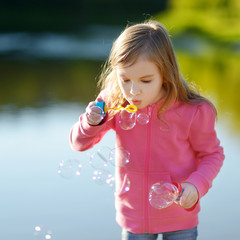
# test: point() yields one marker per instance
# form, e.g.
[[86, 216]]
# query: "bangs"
[[132, 53], [131, 44], [129, 56]]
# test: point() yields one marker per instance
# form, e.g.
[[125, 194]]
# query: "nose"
[[135, 90]]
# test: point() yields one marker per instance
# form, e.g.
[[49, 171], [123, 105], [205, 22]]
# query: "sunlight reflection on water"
[[93, 42]]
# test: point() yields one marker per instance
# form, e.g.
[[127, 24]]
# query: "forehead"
[[142, 66]]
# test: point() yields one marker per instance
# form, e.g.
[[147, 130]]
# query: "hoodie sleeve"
[[203, 138], [84, 136]]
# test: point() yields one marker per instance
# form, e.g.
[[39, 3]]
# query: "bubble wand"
[[104, 108], [128, 116]]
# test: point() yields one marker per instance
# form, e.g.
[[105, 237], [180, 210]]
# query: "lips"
[[136, 102]]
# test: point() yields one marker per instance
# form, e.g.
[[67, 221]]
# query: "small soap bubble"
[[42, 232], [101, 176], [69, 168], [100, 159], [97, 115], [142, 118], [119, 157], [111, 182], [127, 120], [126, 187]]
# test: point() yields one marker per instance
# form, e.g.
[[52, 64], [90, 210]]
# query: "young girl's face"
[[141, 83]]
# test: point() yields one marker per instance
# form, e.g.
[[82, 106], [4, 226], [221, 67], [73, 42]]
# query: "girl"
[[179, 143]]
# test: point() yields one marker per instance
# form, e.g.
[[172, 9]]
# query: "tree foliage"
[[218, 19]]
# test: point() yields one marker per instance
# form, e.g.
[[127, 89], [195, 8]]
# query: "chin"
[[141, 106]]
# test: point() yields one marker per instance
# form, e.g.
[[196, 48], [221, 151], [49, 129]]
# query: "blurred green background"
[[51, 53], [42, 60]]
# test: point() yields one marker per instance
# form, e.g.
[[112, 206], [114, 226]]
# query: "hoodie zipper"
[[147, 159]]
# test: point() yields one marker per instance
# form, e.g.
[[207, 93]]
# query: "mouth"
[[136, 102]]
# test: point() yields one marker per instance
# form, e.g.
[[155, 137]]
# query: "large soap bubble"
[[164, 194]]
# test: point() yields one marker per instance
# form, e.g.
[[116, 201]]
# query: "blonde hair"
[[151, 40]]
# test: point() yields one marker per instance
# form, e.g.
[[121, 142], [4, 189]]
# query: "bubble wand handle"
[[180, 191], [102, 105]]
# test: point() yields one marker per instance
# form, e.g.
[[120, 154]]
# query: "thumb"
[[183, 198], [99, 98]]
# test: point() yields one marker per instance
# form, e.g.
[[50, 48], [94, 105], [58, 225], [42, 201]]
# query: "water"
[[32, 193], [93, 42]]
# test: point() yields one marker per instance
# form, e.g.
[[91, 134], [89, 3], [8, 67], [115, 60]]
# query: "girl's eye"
[[125, 80], [146, 81]]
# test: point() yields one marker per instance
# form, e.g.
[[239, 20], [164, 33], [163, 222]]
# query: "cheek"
[[123, 87], [154, 91], [120, 85]]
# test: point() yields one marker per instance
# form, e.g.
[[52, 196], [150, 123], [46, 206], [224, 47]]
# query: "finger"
[[184, 197], [189, 202], [99, 98]]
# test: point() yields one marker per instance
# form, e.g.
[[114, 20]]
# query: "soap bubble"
[[97, 115], [69, 168], [119, 157], [127, 120], [100, 159], [102, 176], [111, 182], [126, 186], [142, 118], [104, 161], [42, 232], [162, 195]]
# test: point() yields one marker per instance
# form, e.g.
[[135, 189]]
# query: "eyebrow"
[[145, 76]]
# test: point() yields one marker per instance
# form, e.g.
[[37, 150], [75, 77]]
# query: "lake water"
[[33, 143], [41, 100]]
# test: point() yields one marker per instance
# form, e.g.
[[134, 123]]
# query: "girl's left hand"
[[189, 196]]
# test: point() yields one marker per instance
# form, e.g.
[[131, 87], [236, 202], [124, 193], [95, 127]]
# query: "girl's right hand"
[[94, 116], [190, 195]]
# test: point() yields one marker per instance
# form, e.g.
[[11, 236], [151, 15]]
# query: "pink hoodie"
[[181, 148]]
